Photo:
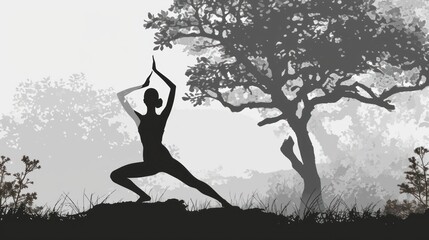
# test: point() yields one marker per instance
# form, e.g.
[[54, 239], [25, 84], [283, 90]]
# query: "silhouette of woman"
[[155, 154]]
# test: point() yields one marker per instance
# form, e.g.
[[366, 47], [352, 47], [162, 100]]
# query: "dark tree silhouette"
[[290, 56]]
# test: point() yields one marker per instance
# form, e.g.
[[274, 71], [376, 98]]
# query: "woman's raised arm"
[[121, 96], [166, 112]]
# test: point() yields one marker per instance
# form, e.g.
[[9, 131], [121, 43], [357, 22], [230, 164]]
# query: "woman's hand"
[[164, 78], [153, 64], [147, 81]]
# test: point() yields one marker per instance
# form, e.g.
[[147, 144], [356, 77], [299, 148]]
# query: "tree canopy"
[[294, 52]]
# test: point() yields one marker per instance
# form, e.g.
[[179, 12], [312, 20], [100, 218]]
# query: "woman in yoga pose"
[[155, 155]]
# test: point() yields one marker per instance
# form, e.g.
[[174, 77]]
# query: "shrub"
[[12, 186], [417, 178], [403, 209], [416, 185]]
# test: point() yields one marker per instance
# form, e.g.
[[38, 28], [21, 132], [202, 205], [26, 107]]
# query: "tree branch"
[[332, 97], [379, 100], [375, 101], [352, 92], [365, 88], [241, 107], [418, 86], [287, 150], [266, 81], [237, 54], [267, 121]]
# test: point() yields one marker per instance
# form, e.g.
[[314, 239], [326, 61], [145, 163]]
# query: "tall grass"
[[336, 211], [65, 205]]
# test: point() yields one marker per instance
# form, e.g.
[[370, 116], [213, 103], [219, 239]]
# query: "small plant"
[[417, 178], [403, 209], [416, 185], [12, 197]]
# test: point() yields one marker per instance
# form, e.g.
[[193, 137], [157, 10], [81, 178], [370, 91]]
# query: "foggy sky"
[[107, 42]]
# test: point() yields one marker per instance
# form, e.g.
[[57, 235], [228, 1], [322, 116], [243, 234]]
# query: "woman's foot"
[[143, 199], [226, 204]]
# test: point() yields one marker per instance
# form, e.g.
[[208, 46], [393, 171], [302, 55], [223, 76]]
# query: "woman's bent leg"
[[134, 170]]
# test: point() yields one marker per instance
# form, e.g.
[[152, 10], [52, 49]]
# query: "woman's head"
[[151, 98]]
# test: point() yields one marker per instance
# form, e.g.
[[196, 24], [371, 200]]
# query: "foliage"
[[293, 48], [416, 185], [417, 178], [75, 128], [403, 209], [12, 197]]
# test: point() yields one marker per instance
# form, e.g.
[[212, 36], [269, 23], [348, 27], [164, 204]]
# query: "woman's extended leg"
[[121, 176], [177, 170]]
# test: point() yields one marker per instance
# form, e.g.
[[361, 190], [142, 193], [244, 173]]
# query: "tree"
[[75, 130], [417, 178], [291, 56]]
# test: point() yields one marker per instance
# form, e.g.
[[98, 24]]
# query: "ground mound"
[[171, 220]]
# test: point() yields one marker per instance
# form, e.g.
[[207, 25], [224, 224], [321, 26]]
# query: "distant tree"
[[12, 196], [293, 55], [75, 129], [417, 177]]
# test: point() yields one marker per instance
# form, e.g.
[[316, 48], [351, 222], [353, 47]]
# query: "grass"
[[336, 211], [88, 202], [257, 218]]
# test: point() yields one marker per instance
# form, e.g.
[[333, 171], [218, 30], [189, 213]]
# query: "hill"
[[171, 220]]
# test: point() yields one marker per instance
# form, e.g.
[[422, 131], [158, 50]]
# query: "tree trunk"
[[311, 199]]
